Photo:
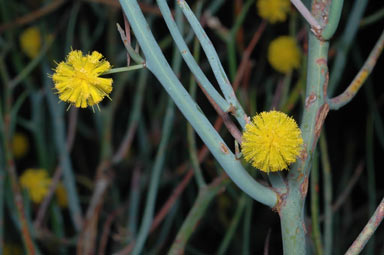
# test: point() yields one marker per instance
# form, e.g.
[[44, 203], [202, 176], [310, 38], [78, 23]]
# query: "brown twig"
[[86, 242], [30, 17], [343, 196], [107, 229], [203, 152], [72, 127], [230, 125], [20, 209], [47, 199], [247, 54], [278, 93], [57, 175]]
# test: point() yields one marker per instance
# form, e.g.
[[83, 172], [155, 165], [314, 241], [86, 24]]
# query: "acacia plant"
[[114, 168]]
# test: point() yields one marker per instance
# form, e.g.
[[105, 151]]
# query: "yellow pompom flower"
[[20, 145], [273, 10], [36, 182], [61, 195], [77, 79], [272, 141], [30, 41], [284, 54]]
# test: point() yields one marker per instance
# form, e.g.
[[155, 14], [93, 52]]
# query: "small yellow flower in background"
[[272, 141], [284, 54], [273, 10], [77, 79], [36, 182], [12, 249], [61, 195], [20, 145], [30, 41]]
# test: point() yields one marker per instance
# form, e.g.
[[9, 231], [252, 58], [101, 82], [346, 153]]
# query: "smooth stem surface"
[[333, 19], [215, 63], [159, 66], [188, 58]]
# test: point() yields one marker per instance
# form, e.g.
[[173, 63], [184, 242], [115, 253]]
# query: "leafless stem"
[[306, 14]]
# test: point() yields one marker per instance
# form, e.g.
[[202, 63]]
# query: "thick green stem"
[[316, 109]]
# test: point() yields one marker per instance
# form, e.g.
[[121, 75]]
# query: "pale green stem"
[[158, 65], [316, 109], [333, 19], [124, 69]]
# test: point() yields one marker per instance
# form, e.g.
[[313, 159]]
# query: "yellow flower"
[[12, 249], [273, 10], [284, 54], [30, 41], [61, 195], [272, 141], [77, 79], [36, 182], [20, 145]]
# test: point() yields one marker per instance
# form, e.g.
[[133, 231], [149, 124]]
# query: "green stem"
[[188, 58], [159, 66], [373, 18], [345, 43], [155, 180], [247, 227], [124, 69], [316, 109], [333, 19], [316, 233], [215, 63], [206, 194], [327, 177], [233, 226]]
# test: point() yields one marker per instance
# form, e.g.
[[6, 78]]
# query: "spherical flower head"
[[284, 54], [20, 145], [30, 41], [36, 182], [273, 10], [77, 79], [272, 141], [61, 195]]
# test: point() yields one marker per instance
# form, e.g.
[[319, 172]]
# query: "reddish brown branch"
[[33, 15]]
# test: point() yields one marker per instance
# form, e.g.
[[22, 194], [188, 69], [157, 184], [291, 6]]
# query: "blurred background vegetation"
[[108, 157]]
